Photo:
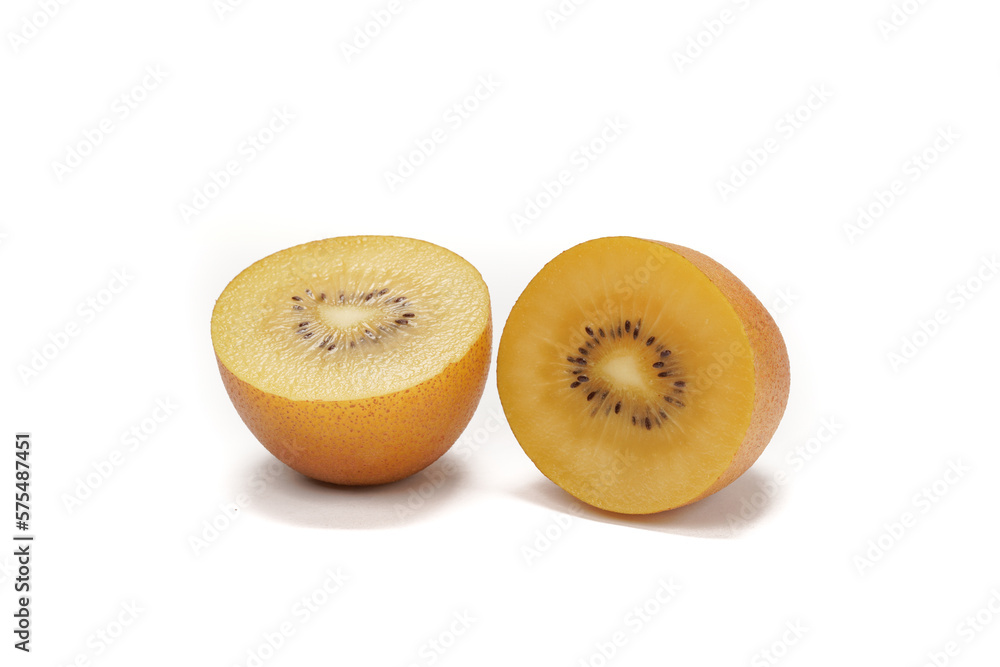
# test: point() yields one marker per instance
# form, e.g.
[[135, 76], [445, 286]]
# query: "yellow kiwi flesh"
[[641, 376], [355, 360]]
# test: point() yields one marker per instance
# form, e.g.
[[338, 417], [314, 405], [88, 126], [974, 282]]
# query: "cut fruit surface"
[[640, 376], [361, 316], [355, 360]]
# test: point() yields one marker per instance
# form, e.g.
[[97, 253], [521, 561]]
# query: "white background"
[[871, 550]]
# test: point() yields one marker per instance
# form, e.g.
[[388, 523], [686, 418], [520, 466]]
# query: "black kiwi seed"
[[309, 293], [331, 348], [307, 334], [398, 299], [369, 296], [680, 383], [383, 292], [402, 321], [296, 298], [410, 315], [580, 367], [303, 324], [298, 308], [370, 333]]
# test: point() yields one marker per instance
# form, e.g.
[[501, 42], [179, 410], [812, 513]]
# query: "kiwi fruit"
[[641, 376], [355, 360]]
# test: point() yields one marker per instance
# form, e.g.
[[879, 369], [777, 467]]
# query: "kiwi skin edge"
[[772, 379], [367, 441]]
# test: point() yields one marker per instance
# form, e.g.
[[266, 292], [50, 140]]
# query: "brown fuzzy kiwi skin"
[[367, 441], [772, 379]]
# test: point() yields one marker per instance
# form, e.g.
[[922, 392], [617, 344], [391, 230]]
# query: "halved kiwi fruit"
[[641, 376], [355, 360]]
